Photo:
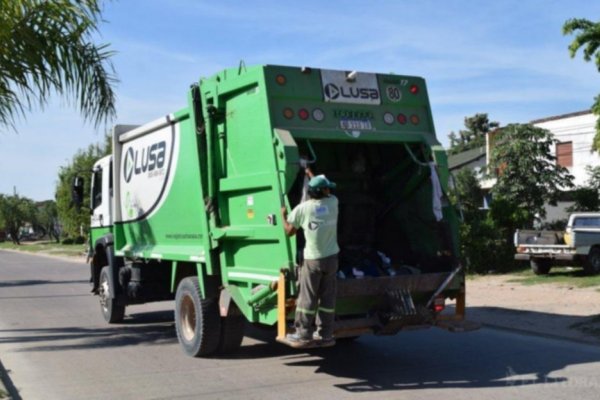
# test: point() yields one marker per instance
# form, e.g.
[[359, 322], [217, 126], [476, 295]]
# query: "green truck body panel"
[[202, 188]]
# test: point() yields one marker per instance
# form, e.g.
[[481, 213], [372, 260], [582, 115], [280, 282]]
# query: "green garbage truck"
[[186, 207]]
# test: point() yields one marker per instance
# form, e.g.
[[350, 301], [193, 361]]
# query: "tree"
[[47, 219], [467, 192], [588, 38], [474, 135], [587, 197], [74, 220], [526, 171], [483, 243], [15, 212], [45, 47]]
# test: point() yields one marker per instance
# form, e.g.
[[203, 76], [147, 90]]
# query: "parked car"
[[577, 245]]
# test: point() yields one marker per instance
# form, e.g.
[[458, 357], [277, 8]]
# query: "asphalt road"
[[55, 345]]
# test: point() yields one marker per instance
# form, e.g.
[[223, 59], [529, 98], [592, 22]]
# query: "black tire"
[[112, 312], [540, 266], [592, 262], [197, 320], [232, 330]]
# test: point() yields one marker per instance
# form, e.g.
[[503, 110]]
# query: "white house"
[[575, 133]]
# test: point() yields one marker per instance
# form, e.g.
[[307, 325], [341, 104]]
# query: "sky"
[[506, 58]]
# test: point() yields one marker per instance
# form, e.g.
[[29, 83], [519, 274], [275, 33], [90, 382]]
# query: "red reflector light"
[[401, 119], [439, 304], [288, 113], [415, 119], [303, 114], [414, 89]]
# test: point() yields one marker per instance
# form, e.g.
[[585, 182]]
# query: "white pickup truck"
[[579, 244]]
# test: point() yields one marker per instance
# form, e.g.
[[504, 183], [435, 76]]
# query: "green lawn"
[[47, 247], [568, 276]]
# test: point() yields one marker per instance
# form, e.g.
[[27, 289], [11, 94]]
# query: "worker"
[[317, 217]]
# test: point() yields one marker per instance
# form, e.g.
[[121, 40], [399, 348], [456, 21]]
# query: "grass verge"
[[566, 276], [47, 247]]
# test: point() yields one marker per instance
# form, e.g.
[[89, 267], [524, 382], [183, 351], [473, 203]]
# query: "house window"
[[564, 154]]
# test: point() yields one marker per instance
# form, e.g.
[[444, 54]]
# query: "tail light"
[[401, 119], [280, 79], [318, 115], [414, 89], [388, 118], [303, 114], [288, 113], [439, 304]]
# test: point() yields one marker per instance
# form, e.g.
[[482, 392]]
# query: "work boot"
[[297, 341], [327, 341]]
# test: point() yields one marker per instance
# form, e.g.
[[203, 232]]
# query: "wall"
[[578, 128]]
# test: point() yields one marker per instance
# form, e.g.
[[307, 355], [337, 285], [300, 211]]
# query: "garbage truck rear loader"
[[187, 206]]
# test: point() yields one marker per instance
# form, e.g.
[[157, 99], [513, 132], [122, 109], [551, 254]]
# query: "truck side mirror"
[[77, 192]]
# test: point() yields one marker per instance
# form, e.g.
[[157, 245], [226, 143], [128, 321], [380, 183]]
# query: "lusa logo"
[[147, 159], [333, 92]]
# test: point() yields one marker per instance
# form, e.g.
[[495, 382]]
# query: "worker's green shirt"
[[318, 218]]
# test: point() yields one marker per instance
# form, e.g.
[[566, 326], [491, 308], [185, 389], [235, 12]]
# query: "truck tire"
[[592, 262], [232, 330], [197, 320], [540, 266], [112, 312]]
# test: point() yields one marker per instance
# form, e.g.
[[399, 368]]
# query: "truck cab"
[[101, 198]]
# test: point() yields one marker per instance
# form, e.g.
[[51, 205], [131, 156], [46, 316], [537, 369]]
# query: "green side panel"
[[251, 170], [177, 229]]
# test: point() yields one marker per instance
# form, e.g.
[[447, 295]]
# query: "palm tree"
[[46, 47], [588, 37]]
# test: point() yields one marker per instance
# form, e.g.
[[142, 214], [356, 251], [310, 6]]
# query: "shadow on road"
[[34, 282], [137, 329], [448, 362], [428, 359]]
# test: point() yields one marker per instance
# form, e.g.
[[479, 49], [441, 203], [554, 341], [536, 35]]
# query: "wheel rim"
[[104, 294], [188, 318]]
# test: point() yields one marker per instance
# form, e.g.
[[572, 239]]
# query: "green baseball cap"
[[320, 182]]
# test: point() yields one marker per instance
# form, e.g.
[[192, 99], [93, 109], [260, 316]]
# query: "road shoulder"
[[552, 310]]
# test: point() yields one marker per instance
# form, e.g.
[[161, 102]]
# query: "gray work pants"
[[317, 297]]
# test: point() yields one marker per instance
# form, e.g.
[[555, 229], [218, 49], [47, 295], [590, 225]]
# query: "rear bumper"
[[550, 256]]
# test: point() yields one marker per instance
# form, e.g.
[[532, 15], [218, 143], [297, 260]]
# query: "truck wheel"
[[540, 266], [592, 262], [232, 330], [111, 311], [197, 320]]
